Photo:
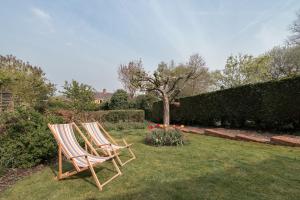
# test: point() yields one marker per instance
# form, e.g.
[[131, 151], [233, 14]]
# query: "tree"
[[166, 81], [241, 70], [80, 95], [202, 80], [125, 72], [284, 61], [295, 29], [119, 100], [232, 75], [27, 83]]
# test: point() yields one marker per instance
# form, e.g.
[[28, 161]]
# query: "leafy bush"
[[117, 116], [103, 116], [162, 137], [81, 96], [119, 100], [55, 103], [26, 140], [269, 105], [145, 102], [124, 125]]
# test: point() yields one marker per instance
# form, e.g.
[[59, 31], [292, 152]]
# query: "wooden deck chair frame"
[[113, 151], [78, 169]]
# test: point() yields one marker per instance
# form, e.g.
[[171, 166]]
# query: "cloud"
[[44, 19], [264, 17], [68, 43], [40, 14], [269, 35]]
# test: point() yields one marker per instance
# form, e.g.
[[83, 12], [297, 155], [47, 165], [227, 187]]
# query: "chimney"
[[104, 91]]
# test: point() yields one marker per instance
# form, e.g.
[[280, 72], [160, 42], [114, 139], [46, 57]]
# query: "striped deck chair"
[[95, 130], [81, 159]]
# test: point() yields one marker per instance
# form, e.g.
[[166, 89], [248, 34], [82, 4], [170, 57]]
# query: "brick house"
[[102, 96]]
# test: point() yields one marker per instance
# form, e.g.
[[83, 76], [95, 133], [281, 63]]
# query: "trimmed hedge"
[[104, 115], [269, 105]]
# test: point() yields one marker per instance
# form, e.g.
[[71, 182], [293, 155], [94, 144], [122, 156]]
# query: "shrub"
[[56, 103], [26, 140], [124, 125], [117, 116], [103, 116], [145, 102], [269, 105], [163, 137], [119, 100]]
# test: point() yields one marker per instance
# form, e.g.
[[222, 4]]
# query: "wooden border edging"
[[215, 133], [284, 140], [252, 139]]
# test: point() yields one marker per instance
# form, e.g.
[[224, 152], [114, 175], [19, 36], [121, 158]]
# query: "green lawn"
[[206, 168]]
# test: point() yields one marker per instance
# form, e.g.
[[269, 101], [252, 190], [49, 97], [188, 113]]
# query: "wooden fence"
[[6, 101]]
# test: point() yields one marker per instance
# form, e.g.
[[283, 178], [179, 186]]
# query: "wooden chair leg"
[[131, 152], [94, 175], [59, 176], [127, 161], [116, 166]]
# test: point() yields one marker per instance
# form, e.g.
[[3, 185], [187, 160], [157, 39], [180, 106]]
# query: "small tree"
[[119, 100], [166, 81], [80, 95], [125, 73], [26, 82]]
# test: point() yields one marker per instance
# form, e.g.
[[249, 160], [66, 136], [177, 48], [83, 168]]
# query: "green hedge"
[[25, 139], [118, 115], [269, 105], [104, 115]]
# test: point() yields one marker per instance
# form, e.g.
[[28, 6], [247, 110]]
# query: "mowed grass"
[[206, 168]]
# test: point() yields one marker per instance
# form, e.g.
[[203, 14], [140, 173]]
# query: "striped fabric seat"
[[66, 137], [98, 137]]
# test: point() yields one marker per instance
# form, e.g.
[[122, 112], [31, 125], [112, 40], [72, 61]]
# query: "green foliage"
[[55, 103], [113, 116], [117, 116], [80, 95], [124, 125], [243, 69], [119, 100], [269, 105], [26, 140], [162, 137], [280, 62], [26, 82], [145, 102], [284, 62], [104, 105]]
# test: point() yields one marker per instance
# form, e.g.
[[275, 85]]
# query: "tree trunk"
[[166, 110]]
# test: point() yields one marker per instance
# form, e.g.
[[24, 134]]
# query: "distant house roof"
[[103, 95]]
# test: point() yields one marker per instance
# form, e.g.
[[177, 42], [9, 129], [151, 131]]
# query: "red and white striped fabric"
[[96, 134], [65, 135]]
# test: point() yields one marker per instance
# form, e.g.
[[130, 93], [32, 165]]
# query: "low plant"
[[25, 140], [165, 137]]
